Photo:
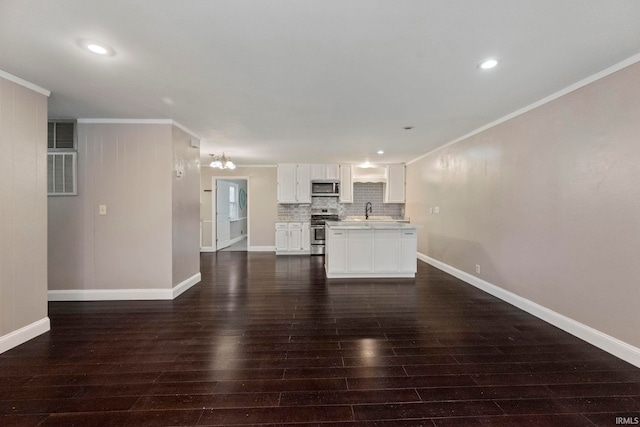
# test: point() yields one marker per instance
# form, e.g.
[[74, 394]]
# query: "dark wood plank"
[[266, 341]]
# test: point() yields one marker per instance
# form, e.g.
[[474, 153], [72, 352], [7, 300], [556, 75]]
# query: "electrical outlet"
[[437, 209], [478, 268], [102, 209], [431, 211]]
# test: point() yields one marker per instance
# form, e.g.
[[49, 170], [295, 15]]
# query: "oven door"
[[317, 234]]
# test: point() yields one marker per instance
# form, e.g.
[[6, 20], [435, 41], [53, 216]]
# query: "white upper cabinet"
[[304, 184], [287, 183], [394, 191], [294, 181], [346, 184], [332, 171], [294, 184], [325, 171], [317, 171]]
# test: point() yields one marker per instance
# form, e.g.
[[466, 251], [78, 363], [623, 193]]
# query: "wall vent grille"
[[61, 135], [61, 174]]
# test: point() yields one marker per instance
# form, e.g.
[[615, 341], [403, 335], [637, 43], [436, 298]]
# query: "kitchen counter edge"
[[374, 225]]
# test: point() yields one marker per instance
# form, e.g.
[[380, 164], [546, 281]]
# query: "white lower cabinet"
[[408, 250], [292, 238], [282, 236], [336, 251], [306, 237], [360, 253], [371, 252], [386, 257]]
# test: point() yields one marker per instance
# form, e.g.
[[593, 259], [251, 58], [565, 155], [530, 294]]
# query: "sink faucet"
[[368, 208]]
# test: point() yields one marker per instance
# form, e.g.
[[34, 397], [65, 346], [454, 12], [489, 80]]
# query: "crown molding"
[[140, 122], [24, 83], [127, 121], [592, 78], [185, 129]]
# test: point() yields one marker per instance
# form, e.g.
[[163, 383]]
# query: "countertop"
[[371, 218], [371, 225]]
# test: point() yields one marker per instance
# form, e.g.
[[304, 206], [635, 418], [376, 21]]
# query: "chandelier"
[[221, 162]]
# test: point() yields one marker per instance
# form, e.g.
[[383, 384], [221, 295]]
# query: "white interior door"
[[223, 225]]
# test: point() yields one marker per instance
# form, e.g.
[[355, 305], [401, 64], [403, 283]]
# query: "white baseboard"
[[601, 340], [307, 253], [231, 242], [123, 294], [24, 334], [262, 248], [237, 239], [185, 285]]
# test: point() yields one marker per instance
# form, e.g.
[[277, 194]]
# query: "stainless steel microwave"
[[325, 188]]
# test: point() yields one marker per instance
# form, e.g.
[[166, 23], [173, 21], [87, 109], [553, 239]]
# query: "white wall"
[[547, 203], [149, 239], [23, 213], [126, 167], [185, 198]]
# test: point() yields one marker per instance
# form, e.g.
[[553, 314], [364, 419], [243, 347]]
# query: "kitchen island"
[[370, 249]]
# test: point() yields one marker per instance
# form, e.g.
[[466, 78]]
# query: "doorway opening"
[[230, 213]]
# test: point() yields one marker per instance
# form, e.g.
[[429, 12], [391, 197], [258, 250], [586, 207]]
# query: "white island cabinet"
[[380, 249]]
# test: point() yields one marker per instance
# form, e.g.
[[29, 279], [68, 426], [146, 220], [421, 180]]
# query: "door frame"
[[214, 202]]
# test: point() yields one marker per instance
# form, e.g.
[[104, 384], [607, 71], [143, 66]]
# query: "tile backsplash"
[[362, 193], [372, 192]]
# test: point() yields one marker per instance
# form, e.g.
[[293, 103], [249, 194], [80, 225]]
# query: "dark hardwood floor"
[[269, 341]]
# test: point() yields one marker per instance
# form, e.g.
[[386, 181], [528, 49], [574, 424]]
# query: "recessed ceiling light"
[[488, 63], [97, 48], [380, 152]]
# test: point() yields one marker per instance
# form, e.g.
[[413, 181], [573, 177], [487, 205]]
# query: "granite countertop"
[[373, 218], [371, 225], [289, 219]]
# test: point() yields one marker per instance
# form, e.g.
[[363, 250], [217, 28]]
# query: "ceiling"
[[312, 81]]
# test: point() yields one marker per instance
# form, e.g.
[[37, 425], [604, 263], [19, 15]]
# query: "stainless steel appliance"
[[318, 218], [325, 188]]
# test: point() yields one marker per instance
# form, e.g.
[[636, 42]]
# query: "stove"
[[318, 218]]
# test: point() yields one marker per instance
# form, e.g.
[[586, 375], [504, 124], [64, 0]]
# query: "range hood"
[[370, 174]]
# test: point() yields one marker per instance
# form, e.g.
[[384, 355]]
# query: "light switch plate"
[[437, 209]]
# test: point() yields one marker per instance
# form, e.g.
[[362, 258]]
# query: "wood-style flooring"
[[266, 340]]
